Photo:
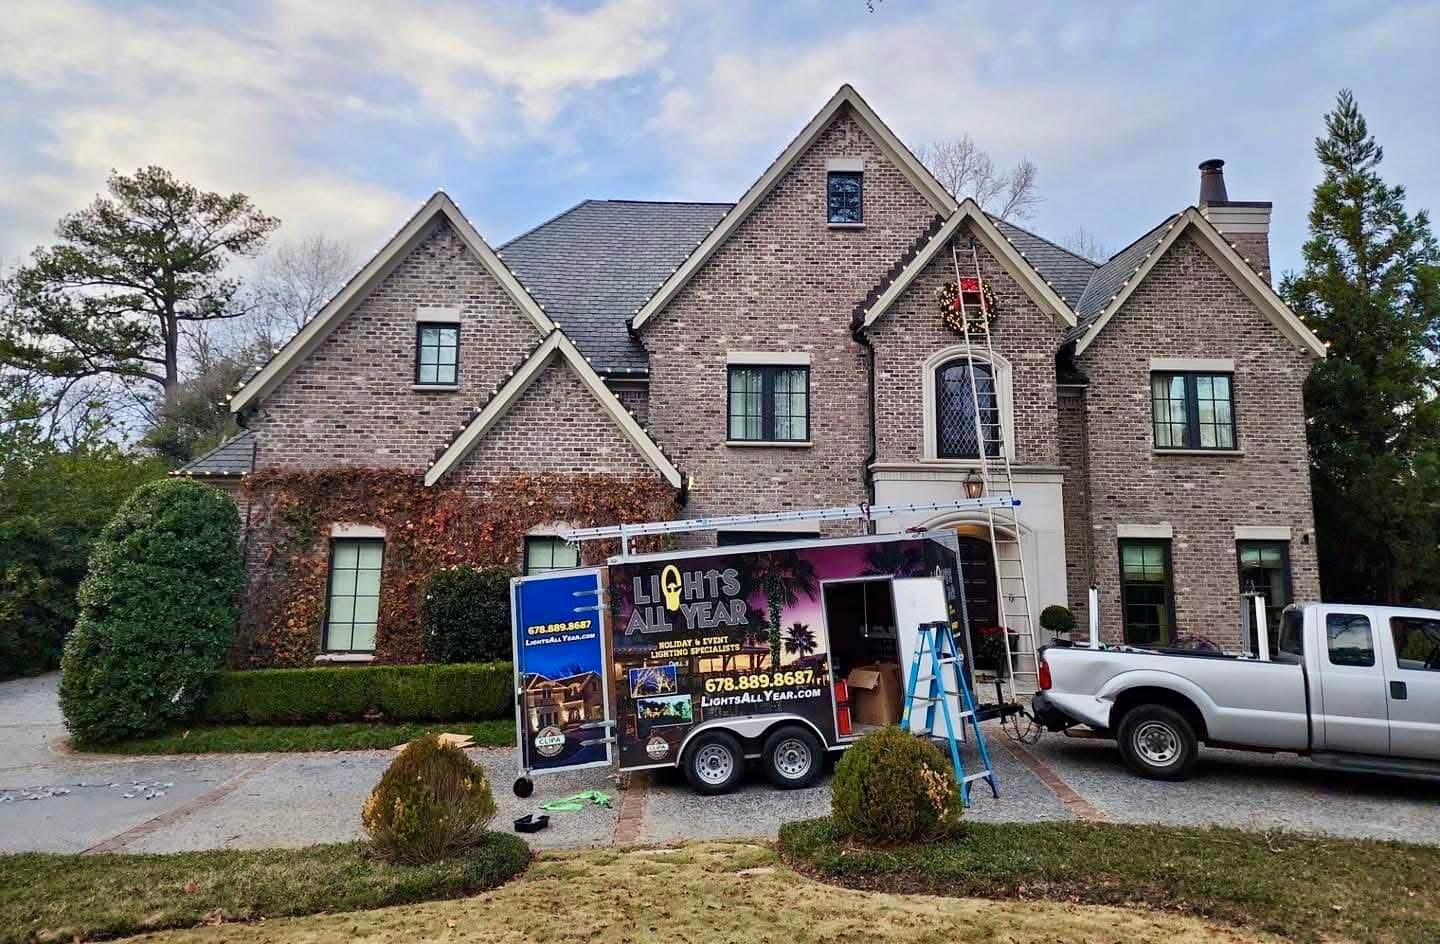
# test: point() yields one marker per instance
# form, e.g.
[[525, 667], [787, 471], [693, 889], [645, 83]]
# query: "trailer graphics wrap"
[[735, 634], [560, 669]]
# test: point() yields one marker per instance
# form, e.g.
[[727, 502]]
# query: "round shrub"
[[892, 786], [157, 612], [1057, 620], [431, 803], [465, 615]]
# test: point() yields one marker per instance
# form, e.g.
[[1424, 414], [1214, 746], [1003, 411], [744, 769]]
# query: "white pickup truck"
[[1351, 687]]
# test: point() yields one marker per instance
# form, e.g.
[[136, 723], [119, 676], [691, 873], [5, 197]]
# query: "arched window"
[[956, 436]]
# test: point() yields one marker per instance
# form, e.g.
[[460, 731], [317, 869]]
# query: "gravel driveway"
[[101, 804]]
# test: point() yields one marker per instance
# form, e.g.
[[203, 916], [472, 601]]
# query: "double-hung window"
[[1147, 594], [768, 403], [845, 197], [354, 599], [546, 553], [437, 349], [1193, 410]]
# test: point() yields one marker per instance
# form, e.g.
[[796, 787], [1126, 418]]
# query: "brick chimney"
[[1245, 223]]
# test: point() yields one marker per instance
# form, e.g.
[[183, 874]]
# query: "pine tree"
[[1370, 289]]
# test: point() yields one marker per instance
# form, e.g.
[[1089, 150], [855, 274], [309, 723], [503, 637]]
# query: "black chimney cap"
[[1212, 182]]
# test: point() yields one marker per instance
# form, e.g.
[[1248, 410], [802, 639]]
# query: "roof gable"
[[1132, 265], [898, 154], [555, 345], [372, 274], [1000, 245]]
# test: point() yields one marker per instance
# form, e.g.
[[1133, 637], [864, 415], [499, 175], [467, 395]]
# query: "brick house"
[[787, 351]]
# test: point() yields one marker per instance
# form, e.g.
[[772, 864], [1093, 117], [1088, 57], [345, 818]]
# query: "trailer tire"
[[793, 757], [714, 762], [1158, 743]]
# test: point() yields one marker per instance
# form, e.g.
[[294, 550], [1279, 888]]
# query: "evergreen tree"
[[1370, 289]]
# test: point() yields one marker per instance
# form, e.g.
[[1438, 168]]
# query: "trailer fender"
[[749, 729], [1169, 683]]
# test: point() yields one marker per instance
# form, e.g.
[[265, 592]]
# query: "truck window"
[[1348, 640], [1292, 635], [1417, 643]]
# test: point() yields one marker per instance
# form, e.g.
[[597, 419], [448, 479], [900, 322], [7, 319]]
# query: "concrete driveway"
[[258, 800]]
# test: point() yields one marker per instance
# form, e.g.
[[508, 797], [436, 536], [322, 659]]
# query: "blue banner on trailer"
[[562, 699]]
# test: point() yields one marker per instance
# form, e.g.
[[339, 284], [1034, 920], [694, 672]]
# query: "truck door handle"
[[1398, 692]]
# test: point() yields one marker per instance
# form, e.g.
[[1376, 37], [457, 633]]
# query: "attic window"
[[844, 197], [436, 350]]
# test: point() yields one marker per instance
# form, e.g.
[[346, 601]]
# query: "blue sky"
[[343, 117]]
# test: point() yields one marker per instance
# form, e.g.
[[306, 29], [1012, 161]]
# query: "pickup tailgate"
[[1243, 702]]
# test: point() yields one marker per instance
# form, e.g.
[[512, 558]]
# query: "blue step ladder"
[[936, 651]]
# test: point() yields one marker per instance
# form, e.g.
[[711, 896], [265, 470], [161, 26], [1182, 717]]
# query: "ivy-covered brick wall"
[[292, 514]]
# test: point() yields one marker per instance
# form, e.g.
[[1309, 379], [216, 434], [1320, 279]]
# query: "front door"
[[977, 567], [1353, 694]]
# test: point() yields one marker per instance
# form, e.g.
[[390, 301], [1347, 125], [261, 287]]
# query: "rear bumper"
[[1048, 715]]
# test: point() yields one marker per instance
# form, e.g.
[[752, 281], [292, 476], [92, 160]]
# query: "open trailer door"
[[563, 719]]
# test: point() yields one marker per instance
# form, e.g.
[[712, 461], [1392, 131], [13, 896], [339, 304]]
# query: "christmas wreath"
[[954, 314]]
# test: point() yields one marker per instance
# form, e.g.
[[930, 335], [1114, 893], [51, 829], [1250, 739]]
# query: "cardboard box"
[[875, 693]]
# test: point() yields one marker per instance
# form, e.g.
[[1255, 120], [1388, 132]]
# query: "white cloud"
[[281, 102]]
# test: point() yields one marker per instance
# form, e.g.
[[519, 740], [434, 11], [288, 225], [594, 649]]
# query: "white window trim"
[[1143, 531], [1255, 532], [1192, 365], [357, 531], [1004, 389], [444, 314], [768, 358], [845, 165]]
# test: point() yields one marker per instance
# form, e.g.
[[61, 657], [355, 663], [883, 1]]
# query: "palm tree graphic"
[[783, 575], [799, 640]]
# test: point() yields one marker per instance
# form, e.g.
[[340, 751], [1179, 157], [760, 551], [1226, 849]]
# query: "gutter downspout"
[[868, 477]]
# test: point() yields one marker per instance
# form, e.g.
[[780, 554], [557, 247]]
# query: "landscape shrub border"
[[462, 692], [481, 524]]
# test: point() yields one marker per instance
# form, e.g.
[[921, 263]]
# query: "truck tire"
[[1158, 743], [714, 762], [793, 757]]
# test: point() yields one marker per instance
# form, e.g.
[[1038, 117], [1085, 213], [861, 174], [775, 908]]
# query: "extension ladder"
[[1016, 611], [935, 650]]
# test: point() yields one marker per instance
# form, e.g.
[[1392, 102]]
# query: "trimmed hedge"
[[465, 692], [157, 612]]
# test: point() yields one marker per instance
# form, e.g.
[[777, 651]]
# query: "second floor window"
[[957, 407], [844, 197], [437, 348], [769, 404], [1193, 411]]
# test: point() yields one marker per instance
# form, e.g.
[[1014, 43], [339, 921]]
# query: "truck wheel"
[[714, 762], [1158, 743], [793, 757]]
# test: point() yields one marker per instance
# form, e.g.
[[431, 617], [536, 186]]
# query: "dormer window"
[[437, 348]]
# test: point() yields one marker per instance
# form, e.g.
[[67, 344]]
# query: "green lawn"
[[66, 897], [1307, 889], [242, 738]]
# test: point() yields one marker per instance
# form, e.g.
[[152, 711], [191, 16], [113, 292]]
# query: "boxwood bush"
[[466, 692], [465, 615], [893, 786], [432, 802], [157, 612]]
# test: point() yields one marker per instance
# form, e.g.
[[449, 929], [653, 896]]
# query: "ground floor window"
[[546, 553], [354, 597], [1147, 593], [1264, 569]]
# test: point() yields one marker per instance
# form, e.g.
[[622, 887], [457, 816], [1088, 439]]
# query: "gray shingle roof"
[[597, 262], [234, 456], [1063, 269], [1109, 278]]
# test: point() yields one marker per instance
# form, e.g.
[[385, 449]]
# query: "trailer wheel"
[[1158, 743], [714, 762], [524, 786], [793, 757]]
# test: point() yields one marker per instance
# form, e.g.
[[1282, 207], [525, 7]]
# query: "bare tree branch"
[[1084, 243], [967, 170]]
